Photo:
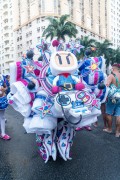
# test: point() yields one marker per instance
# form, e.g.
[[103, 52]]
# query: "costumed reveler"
[[57, 95], [3, 106]]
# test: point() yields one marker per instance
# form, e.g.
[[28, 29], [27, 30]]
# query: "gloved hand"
[[79, 86], [55, 89]]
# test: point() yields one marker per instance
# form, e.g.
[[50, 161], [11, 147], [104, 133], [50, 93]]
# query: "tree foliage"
[[60, 28], [102, 49]]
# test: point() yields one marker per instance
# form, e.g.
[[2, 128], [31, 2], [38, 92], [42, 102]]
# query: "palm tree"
[[87, 43], [60, 27], [105, 50], [117, 55], [110, 56]]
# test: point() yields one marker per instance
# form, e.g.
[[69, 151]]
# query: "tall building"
[[90, 16], [6, 36], [114, 21]]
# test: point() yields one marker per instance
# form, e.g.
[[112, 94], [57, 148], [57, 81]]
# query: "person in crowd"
[[103, 112], [7, 82], [3, 106], [104, 116], [113, 108]]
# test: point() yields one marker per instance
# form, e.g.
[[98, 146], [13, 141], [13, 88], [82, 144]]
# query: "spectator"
[[7, 81], [103, 111], [3, 106], [113, 108], [104, 116]]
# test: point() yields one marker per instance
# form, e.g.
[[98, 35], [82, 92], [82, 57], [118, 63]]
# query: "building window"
[[43, 5], [30, 42], [26, 26], [17, 39], [42, 18], [81, 37], [20, 38], [6, 20], [20, 46], [38, 29], [30, 33], [30, 25], [38, 20], [43, 28], [27, 43], [26, 34], [38, 39]]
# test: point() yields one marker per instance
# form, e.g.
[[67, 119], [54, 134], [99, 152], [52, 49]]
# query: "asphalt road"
[[96, 155]]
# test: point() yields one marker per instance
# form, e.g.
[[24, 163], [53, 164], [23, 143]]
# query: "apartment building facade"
[[114, 22], [6, 36], [90, 16]]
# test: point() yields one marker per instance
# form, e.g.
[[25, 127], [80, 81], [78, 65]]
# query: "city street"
[[96, 155]]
